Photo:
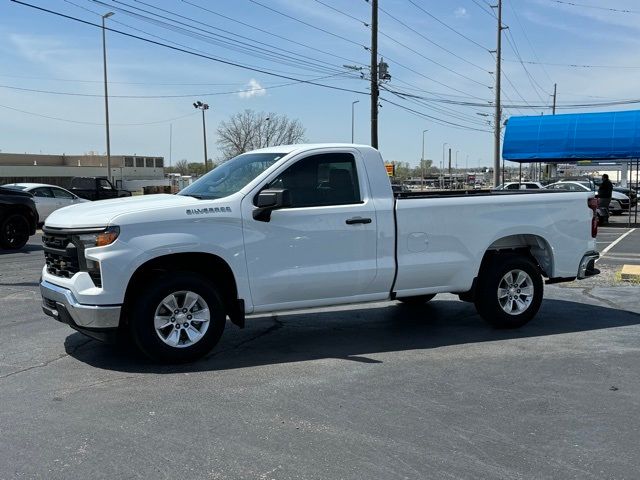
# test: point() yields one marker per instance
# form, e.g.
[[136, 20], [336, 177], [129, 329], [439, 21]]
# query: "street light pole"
[[422, 161], [106, 92], [443, 164], [203, 106], [352, 118]]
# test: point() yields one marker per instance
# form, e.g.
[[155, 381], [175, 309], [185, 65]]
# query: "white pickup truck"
[[302, 226]]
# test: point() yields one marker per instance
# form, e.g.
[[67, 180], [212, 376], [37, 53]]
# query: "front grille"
[[61, 255], [64, 256]]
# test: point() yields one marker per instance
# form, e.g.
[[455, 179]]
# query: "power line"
[[482, 7], [78, 80], [573, 65], [189, 52], [433, 61], [431, 79], [139, 30], [252, 49], [532, 81], [465, 117], [618, 10], [281, 37], [446, 25], [407, 27], [430, 117], [80, 122], [524, 32], [187, 95], [315, 27]]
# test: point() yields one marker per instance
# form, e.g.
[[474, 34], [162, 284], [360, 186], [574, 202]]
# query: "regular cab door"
[[321, 247]]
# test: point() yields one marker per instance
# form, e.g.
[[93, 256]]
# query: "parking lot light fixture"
[[106, 92], [203, 106]]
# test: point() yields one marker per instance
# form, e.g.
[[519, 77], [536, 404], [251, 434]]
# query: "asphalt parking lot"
[[371, 391]]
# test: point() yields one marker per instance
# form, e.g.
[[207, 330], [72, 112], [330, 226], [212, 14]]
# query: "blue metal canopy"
[[573, 137]]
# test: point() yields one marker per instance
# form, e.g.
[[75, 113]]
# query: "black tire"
[[146, 301], [490, 280], [14, 231], [417, 300]]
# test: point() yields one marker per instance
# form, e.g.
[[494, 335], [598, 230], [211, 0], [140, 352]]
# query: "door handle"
[[355, 220]]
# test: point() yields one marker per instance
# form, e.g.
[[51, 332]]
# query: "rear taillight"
[[593, 205]]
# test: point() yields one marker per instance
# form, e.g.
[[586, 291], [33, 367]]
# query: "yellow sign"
[[391, 169]]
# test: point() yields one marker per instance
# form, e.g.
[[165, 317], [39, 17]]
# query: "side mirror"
[[269, 200]]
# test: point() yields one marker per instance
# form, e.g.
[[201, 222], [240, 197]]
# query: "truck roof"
[[287, 149]]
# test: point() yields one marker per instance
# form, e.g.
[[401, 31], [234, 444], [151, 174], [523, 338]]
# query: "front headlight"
[[100, 239]]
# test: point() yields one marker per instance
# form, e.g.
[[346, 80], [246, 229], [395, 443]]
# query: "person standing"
[[605, 191]]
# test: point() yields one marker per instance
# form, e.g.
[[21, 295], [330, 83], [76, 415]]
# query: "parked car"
[[399, 188], [619, 201], [520, 186], [18, 218], [96, 188], [48, 198], [629, 192], [303, 226]]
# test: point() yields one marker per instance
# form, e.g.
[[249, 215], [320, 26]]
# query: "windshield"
[[231, 176]]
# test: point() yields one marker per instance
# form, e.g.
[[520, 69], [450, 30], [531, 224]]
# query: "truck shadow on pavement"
[[27, 249], [353, 333]]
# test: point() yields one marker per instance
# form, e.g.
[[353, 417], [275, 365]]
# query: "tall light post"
[[443, 162], [422, 161], [267, 121], [203, 106], [353, 104], [456, 168], [106, 92]]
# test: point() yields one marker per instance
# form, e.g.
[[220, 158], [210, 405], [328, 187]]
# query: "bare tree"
[[249, 130], [182, 166]]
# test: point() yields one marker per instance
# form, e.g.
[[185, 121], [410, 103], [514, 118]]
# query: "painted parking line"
[[614, 243]]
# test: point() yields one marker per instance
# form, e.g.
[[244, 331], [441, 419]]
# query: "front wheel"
[[14, 232], [177, 318], [509, 291]]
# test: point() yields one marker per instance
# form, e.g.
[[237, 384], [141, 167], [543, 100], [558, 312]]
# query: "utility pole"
[[450, 174], [422, 161], [353, 124], [498, 114], [374, 73], [555, 91], [106, 92], [170, 142]]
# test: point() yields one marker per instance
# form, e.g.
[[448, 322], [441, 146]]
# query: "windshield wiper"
[[199, 196]]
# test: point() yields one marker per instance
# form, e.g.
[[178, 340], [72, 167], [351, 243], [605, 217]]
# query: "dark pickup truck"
[[96, 188], [18, 218]]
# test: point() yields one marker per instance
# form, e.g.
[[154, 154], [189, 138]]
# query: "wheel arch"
[[531, 245], [206, 264], [24, 210]]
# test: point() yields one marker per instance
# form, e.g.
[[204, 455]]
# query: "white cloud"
[[460, 12], [254, 89]]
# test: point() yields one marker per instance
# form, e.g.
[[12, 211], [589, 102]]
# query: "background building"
[[60, 169]]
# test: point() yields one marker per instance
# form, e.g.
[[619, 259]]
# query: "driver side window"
[[321, 180]]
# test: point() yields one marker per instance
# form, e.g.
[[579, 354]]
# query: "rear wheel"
[[177, 318], [14, 232], [509, 291], [417, 300]]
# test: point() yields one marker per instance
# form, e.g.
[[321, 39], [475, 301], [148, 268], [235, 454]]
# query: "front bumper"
[[94, 320]]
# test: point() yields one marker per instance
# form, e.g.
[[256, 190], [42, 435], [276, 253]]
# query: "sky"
[[266, 55]]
